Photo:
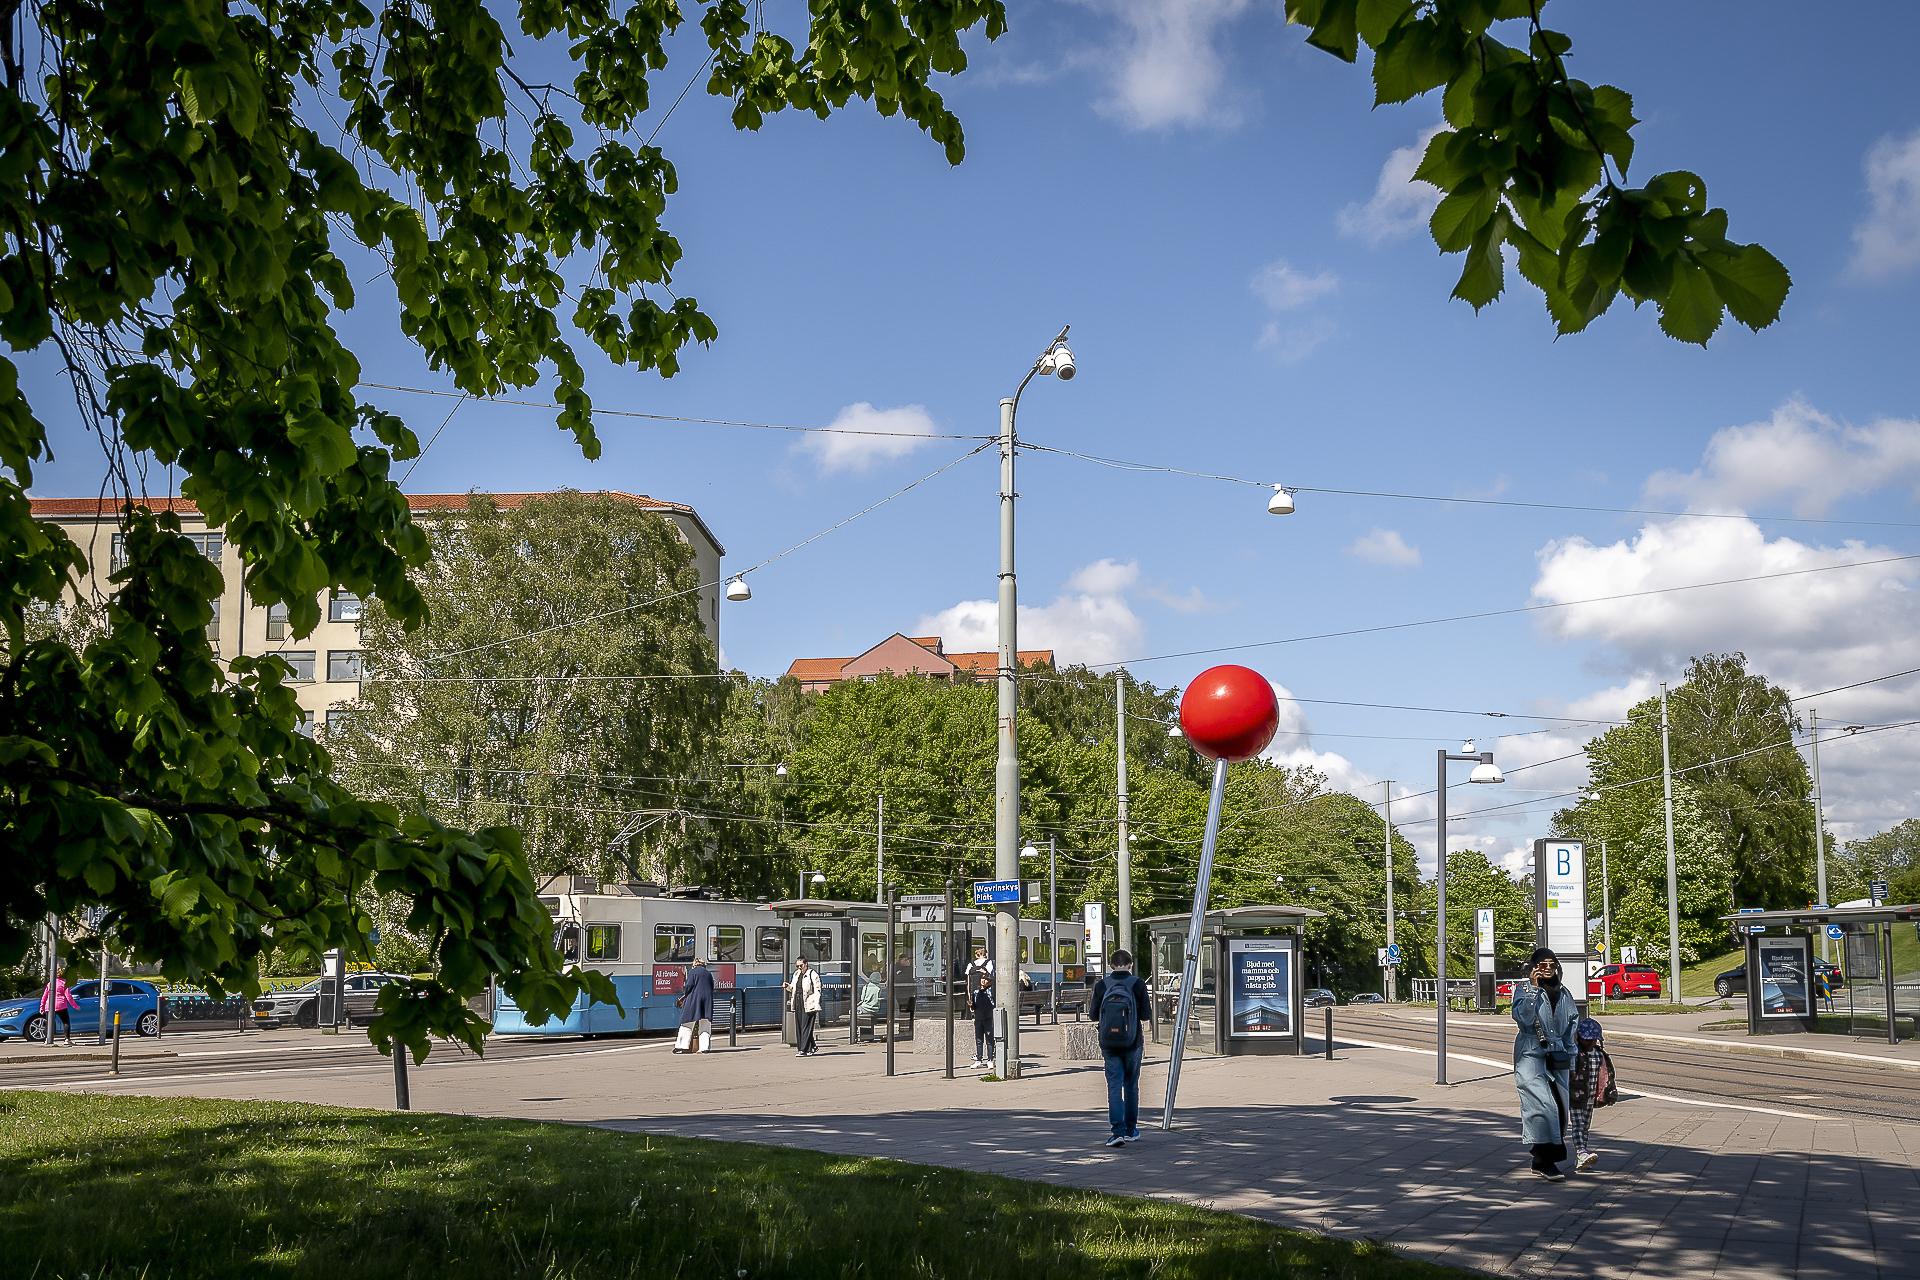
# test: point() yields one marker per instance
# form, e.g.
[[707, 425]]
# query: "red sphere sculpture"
[[1229, 713]]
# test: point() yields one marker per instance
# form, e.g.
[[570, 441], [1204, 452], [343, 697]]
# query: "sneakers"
[[1549, 1171], [1584, 1161], [1134, 1136], [1116, 1141]]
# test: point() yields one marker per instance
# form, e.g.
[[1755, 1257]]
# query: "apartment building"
[[909, 655], [326, 664]]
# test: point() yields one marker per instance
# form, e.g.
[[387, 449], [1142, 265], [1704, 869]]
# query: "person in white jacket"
[[803, 998]]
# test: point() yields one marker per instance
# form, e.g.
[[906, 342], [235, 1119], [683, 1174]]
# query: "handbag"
[[1558, 1057]]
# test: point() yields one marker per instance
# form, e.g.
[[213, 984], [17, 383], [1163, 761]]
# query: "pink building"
[[908, 655]]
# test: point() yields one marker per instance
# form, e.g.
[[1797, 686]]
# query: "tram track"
[[1709, 1073]]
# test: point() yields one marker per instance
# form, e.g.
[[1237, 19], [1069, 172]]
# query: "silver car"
[[301, 1005]]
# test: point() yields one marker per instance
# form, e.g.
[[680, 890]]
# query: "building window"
[[337, 719], [603, 942], [673, 944], [213, 627], [770, 944], [304, 725], [118, 559], [301, 660], [277, 621], [210, 545], [727, 943], [816, 945], [344, 607], [343, 665]]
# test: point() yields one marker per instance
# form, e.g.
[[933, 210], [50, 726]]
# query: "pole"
[[893, 911], [803, 886], [402, 1098], [1440, 987], [1673, 876], [1606, 922], [1194, 927], [116, 1044], [101, 1021], [1819, 833], [1126, 846], [1006, 771], [880, 847], [949, 984], [1392, 975], [53, 972], [1886, 973], [1053, 929]]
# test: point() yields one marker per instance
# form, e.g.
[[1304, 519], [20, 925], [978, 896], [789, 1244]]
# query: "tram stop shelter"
[[1882, 981], [845, 942], [1248, 984]]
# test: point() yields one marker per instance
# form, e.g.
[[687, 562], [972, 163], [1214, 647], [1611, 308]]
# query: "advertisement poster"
[[1260, 986], [671, 979], [926, 953], [1560, 886], [1783, 977]]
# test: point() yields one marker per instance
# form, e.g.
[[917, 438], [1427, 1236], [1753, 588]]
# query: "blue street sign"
[[1393, 953], [1835, 932], [1756, 928], [987, 893]]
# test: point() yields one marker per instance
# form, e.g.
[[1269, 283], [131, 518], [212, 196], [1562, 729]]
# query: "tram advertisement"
[[1260, 986]]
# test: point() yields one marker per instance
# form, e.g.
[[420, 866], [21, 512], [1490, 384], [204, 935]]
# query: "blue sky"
[[1202, 198]]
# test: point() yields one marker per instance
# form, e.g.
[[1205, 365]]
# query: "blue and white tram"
[[645, 941]]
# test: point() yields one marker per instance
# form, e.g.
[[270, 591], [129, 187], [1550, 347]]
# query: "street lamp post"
[[817, 879], [1125, 887], [1392, 974], [1056, 360], [1053, 924], [1484, 771]]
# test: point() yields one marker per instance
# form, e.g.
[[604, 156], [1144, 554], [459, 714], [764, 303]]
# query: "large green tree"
[[564, 678], [185, 185], [1892, 855]]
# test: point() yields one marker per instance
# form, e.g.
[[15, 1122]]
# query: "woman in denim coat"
[[1543, 1062]]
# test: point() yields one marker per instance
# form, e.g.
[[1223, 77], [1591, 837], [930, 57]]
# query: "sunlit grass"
[[111, 1187]]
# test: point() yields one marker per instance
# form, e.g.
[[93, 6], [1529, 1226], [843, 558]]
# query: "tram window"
[[1069, 951], [1040, 951], [771, 944], [727, 943], [673, 944], [603, 942], [1023, 951], [816, 945], [566, 940]]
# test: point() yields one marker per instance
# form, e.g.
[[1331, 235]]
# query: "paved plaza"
[[1366, 1145]]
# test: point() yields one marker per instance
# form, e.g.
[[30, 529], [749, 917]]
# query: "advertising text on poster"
[[1260, 987]]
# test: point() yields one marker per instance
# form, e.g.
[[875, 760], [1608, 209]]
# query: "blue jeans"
[[1123, 1090]]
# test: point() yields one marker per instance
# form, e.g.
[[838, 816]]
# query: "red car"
[[1618, 981]]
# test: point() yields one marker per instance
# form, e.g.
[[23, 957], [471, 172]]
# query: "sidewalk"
[[1687, 1026], [83, 1049], [1365, 1146]]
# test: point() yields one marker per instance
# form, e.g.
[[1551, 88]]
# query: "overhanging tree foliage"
[[1536, 161], [178, 209]]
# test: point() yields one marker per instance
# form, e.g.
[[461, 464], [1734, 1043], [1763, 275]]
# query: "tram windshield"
[[566, 940]]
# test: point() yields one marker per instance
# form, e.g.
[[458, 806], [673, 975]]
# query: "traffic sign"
[[988, 893], [1877, 890], [1835, 932], [1393, 953]]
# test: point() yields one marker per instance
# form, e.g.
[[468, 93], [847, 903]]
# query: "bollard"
[[733, 1020], [1329, 1033], [402, 1100], [116, 1044]]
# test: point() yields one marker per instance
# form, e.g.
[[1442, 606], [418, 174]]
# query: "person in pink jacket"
[[57, 1002]]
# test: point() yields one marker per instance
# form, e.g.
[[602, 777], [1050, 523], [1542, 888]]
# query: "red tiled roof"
[[422, 503], [988, 662], [816, 668], [929, 642]]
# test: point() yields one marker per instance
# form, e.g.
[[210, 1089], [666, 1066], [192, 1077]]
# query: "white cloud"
[[1292, 343], [1887, 241], [1293, 748], [1091, 621], [1399, 205], [887, 434], [1165, 68], [1800, 457], [1385, 546], [1286, 288]]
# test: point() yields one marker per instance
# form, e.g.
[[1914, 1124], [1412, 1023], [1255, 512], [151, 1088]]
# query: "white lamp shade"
[[779, 771], [1487, 773], [737, 589], [1173, 731], [818, 878], [1281, 503], [1029, 852]]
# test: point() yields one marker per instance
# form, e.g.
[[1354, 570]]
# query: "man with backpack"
[[1122, 1008]]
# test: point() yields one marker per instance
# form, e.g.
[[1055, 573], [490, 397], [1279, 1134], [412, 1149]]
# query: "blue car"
[[137, 1003]]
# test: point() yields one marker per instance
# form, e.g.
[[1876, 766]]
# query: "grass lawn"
[[106, 1187]]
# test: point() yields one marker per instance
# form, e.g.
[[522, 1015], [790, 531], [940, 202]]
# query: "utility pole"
[[1606, 921], [1126, 848], [1006, 773], [1673, 877], [1819, 833], [880, 850], [1386, 813]]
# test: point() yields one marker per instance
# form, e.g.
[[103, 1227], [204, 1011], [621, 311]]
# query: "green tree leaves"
[[1536, 162]]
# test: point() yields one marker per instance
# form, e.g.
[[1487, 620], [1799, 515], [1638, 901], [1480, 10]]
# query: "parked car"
[[1368, 997], [1319, 998], [137, 1003], [1734, 981], [1618, 981], [301, 1005], [1503, 988]]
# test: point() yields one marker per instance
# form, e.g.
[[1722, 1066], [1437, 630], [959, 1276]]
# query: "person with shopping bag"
[[695, 1003]]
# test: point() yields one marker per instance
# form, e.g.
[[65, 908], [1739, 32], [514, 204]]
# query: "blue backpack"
[[1119, 1016]]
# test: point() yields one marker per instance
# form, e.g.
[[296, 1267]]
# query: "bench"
[[1038, 1002]]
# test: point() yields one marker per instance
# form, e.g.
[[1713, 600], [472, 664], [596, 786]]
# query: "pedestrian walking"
[[1591, 1072], [1543, 1052], [57, 1002], [695, 1003], [980, 1000], [803, 998], [1122, 1008]]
